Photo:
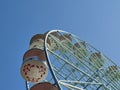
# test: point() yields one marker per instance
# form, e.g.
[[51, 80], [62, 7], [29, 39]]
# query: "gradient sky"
[[95, 21]]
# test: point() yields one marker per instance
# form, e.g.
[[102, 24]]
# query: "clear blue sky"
[[95, 21]]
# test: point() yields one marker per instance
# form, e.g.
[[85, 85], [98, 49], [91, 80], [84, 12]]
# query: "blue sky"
[[95, 21]]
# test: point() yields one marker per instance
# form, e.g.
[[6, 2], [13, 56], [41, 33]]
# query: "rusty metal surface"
[[39, 36], [35, 52], [44, 86]]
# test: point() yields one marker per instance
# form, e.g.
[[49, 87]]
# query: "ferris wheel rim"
[[48, 60]]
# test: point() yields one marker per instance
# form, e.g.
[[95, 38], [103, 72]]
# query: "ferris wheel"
[[58, 60]]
